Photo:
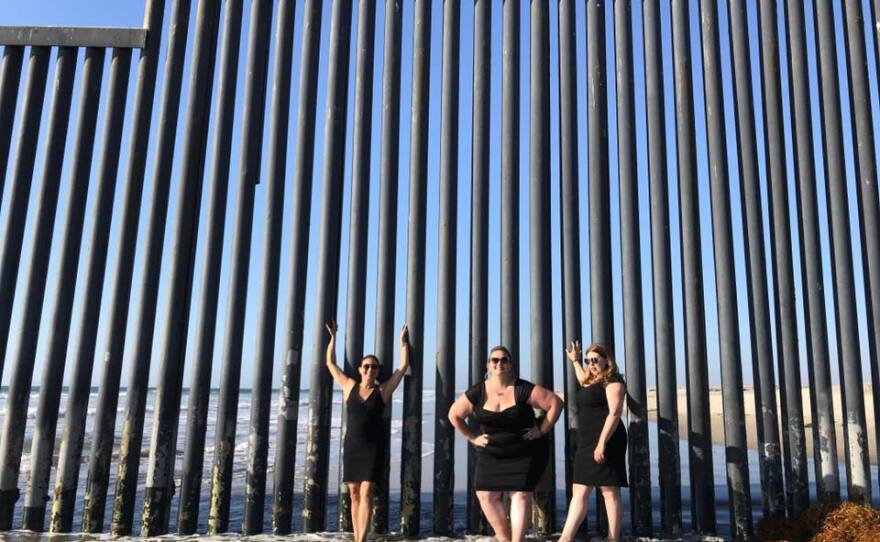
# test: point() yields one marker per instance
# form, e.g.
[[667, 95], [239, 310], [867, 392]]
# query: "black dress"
[[509, 462], [363, 449], [592, 410]]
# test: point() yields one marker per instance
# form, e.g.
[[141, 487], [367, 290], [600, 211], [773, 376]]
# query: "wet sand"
[[716, 413]]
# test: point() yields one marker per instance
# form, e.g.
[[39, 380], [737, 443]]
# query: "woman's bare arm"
[[387, 388], [458, 412], [615, 393], [343, 380], [574, 356], [550, 403]]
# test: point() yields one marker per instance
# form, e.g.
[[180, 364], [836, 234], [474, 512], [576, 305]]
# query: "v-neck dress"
[[509, 462], [592, 411], [363, 447]]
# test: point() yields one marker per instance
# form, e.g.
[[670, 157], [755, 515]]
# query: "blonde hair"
[[497, 348], [610, 366]]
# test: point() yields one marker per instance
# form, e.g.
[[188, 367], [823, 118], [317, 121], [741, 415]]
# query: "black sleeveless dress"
[[509, 462], [363, 448], [592, 410]]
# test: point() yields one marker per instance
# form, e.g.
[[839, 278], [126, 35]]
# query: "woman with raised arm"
[[512, 450], [363, 448], [600, 460]]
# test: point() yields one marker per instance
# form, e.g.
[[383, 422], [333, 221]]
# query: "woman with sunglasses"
[[364, 445], [600, 460], [512, 450]]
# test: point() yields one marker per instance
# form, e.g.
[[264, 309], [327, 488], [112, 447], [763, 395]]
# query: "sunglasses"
[[503, 360], [592, 361], [369, 366]]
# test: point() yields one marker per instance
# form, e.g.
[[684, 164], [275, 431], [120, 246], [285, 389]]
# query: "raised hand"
[[331, 329], [574, 351], [404, 335]]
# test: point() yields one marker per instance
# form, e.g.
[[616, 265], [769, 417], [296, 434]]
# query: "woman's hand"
[[480, 441], [533, 433], [404, 336], [599, 454], [574, 351], [331, 329]]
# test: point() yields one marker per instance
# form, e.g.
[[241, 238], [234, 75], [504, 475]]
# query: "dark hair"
[[365, 358], [357, 365]]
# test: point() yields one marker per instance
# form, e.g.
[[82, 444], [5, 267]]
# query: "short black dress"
[[509, 462], [592, 411], [363, 448]]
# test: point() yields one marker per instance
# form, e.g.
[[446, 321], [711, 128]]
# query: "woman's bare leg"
[[496, 514], [577, 511], [611, 496], [354, 492], [366, 509], [520, 514]]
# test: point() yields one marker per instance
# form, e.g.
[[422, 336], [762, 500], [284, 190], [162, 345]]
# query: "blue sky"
[[115, 13]]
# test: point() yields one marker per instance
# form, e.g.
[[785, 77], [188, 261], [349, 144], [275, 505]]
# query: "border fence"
[[787, 109]]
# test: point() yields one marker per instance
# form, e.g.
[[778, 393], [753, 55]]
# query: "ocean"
[[244, 412]]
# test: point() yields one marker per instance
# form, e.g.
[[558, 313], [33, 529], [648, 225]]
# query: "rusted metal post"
[[510, 88], [22, 178], [163, 444], [261, 390], [362, 130], [599, 201], [288, 415], [108, 395], [855, 434], [70, 454], [479, 270], [699, 431], [736, 460], [598, 185], [769, 452], [411, 453], [444, 433], [43, 441], [145, 323], [252, 115], [389, 160], [634, 333], [568, 214], [793, 421], [200, 389], [541, 306], [24, 349], [10, 78], [819, 370], [330, 225], [669, 463], [866, 192]]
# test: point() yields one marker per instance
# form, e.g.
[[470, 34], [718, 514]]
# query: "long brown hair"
[[610, 366]]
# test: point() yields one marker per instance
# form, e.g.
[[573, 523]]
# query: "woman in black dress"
[[600, 460], [512, 450], [364, 445]]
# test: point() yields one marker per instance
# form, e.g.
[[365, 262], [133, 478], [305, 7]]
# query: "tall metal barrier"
[[676, 196]]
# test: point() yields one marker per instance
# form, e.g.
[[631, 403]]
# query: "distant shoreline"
[[715, 409], [717, 418]]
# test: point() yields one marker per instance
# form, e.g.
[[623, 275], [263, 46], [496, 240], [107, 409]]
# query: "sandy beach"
[[716, 412]]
